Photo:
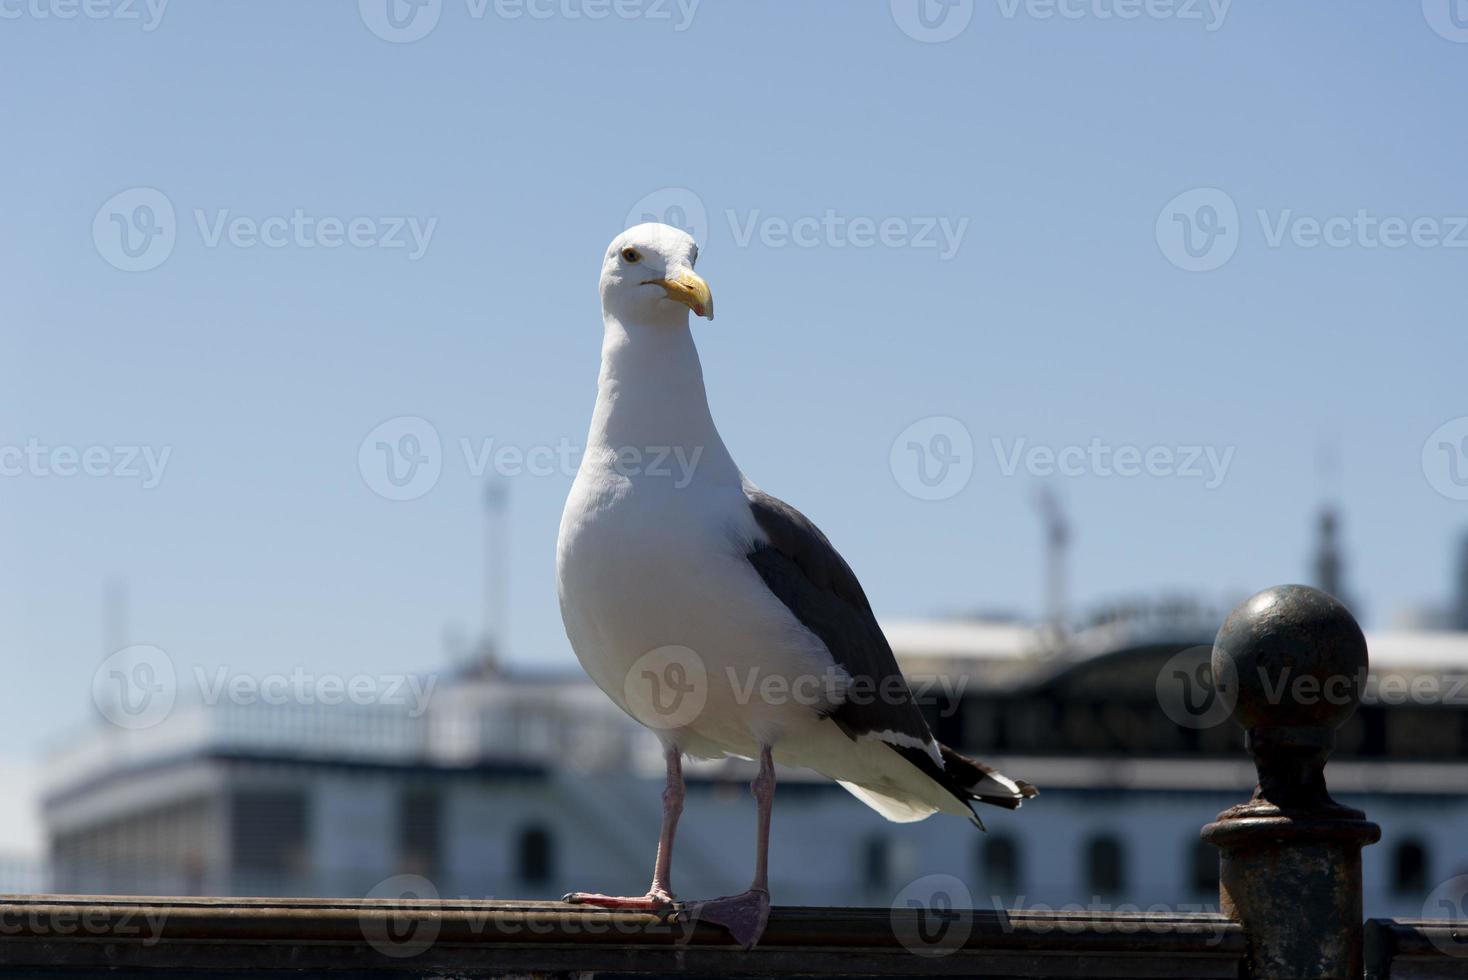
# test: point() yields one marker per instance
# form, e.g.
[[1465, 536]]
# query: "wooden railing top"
[[217, 937]]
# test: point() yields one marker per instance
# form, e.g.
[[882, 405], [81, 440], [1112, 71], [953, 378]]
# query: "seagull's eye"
[[631, 255]]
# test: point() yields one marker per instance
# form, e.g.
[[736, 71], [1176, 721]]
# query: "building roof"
[[559, 716]]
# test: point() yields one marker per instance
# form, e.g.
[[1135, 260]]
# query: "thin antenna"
[[1329, 560], [1329, 563], [1057, 541]]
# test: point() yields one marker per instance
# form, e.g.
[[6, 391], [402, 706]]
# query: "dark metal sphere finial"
[[1292, 661], [1296, 659]]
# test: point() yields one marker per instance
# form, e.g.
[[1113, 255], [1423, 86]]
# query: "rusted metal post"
[[1293, 662]]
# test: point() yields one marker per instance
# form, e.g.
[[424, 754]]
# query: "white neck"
[[650, 395]]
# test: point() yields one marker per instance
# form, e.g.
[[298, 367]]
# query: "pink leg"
[[662, 872], [764, 795], [745, 916], [659, 897]]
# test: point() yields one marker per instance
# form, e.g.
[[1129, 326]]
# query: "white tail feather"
[[898, 811]]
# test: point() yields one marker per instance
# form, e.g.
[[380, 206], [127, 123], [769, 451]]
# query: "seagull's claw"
[[656, 900], [743, 916]]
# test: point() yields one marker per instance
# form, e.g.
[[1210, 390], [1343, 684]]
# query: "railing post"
[[1292, 661]]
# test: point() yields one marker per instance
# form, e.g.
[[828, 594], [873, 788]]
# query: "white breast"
[[657, 592]]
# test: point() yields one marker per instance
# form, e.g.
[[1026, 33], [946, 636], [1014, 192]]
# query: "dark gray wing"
[[803, 570], [806, 573]]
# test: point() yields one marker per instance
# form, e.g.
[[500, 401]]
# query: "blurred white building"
[[22, 868], [528, 785]]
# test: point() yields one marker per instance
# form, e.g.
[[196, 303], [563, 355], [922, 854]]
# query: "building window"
[[876, 862], [1105, 865], [157, 851], [271, 831], [999, 865], [1409, 868], [1204, 865], [536, 856], [419, 832]]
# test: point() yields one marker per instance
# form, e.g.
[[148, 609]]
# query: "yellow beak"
[[689, 289]]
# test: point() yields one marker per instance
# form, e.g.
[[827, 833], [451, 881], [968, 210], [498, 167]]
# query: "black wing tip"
[[965, 774]]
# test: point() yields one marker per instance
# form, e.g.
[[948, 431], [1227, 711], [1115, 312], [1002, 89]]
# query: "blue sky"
[[518, 146]]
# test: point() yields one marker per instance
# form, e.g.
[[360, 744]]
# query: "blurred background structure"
[[528, 784]]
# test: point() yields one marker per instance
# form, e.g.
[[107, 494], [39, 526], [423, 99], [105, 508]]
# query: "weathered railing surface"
[[1417, 949], [207, 938], [1290, 661]]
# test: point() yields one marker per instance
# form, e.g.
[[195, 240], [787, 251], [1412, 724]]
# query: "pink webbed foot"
[[656, 900], [743, 916]]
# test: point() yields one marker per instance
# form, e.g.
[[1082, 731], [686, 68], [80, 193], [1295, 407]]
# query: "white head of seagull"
[[647, 277]]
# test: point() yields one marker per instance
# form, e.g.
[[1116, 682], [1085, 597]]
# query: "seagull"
[[717, 615]]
